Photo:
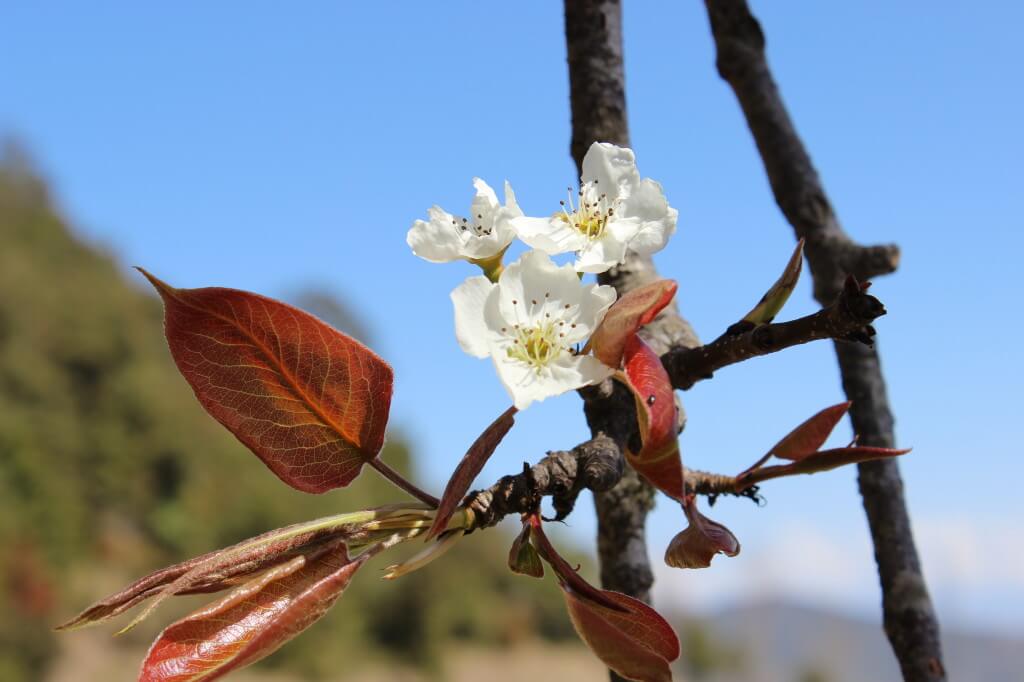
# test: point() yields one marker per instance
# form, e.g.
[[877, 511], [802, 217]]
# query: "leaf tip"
[[162, 287]]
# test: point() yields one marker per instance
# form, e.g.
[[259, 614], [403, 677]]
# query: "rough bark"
[[595, 465], [593, 31], [909, 617]]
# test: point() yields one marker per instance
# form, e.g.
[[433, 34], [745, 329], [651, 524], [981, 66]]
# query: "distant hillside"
[[109, 468], [781, 642]]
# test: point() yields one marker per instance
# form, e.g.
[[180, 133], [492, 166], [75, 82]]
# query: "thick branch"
[[593, 35], [910, 621], [848, 318], [595, 465]]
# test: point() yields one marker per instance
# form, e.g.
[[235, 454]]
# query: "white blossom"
[[614, 210], [484, 234], [530, 323]]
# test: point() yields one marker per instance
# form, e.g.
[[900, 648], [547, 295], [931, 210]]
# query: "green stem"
[[492, 266]]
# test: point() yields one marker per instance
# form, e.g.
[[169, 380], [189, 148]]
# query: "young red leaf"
[[635, 309], [251, 622], [311, 402], [659, 459], [698, 544], [219, 569], [820, 461], [627, 635], [523, 557], [773, 300], [805, 439], [468, 469], [566, 573], [635, 642]]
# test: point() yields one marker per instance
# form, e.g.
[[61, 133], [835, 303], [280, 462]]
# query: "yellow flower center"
[[591, 216], [536, 346]]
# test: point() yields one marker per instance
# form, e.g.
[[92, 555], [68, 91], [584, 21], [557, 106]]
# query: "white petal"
[[657, 219], [550, 235], [526, 385], [471, 329], [494, 218], [485, 196], [610, 249], [597, 298], [437, 241], [613, 167], [503, 230], [487, 245], [519, 379], [534, 285], [484, 206], [580, 370], [510, 202]]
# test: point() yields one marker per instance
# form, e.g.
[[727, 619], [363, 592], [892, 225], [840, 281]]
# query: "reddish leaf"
[[821, 461], [566, 573], [627, 635], [635, 309], [251, 622], [468, 469], [216, 570], [311, 402], [523, 557], [659, 459], [698, 544], [811, 435], [636, 642]]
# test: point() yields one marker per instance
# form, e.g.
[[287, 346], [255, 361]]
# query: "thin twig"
[[403, 483], [848, 318]]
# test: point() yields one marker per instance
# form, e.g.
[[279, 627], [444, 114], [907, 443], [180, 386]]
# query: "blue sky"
[[242, 145]]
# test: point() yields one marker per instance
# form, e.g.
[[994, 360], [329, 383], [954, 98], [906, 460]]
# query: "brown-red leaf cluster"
[[252, 621]]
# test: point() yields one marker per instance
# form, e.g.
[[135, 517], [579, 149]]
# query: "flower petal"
[[510, 199], [657, 220], [533, 285], [504, 232], [597, 299], [579, 370], [521, 381], [608, 251], [613, 167], [526, 385], [485, 199], [550, 235], [469, 299], [436, 241]]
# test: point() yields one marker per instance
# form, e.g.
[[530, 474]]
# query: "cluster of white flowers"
[[532, 316]]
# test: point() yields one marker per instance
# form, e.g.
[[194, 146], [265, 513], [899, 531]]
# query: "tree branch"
[[848, 318], [596, 465], [593, 32], [910, 621]]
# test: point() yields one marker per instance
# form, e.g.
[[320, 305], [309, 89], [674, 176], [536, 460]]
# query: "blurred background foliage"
[[109, 468]]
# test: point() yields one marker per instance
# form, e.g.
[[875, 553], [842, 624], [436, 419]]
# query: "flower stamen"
[[590, 216]]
